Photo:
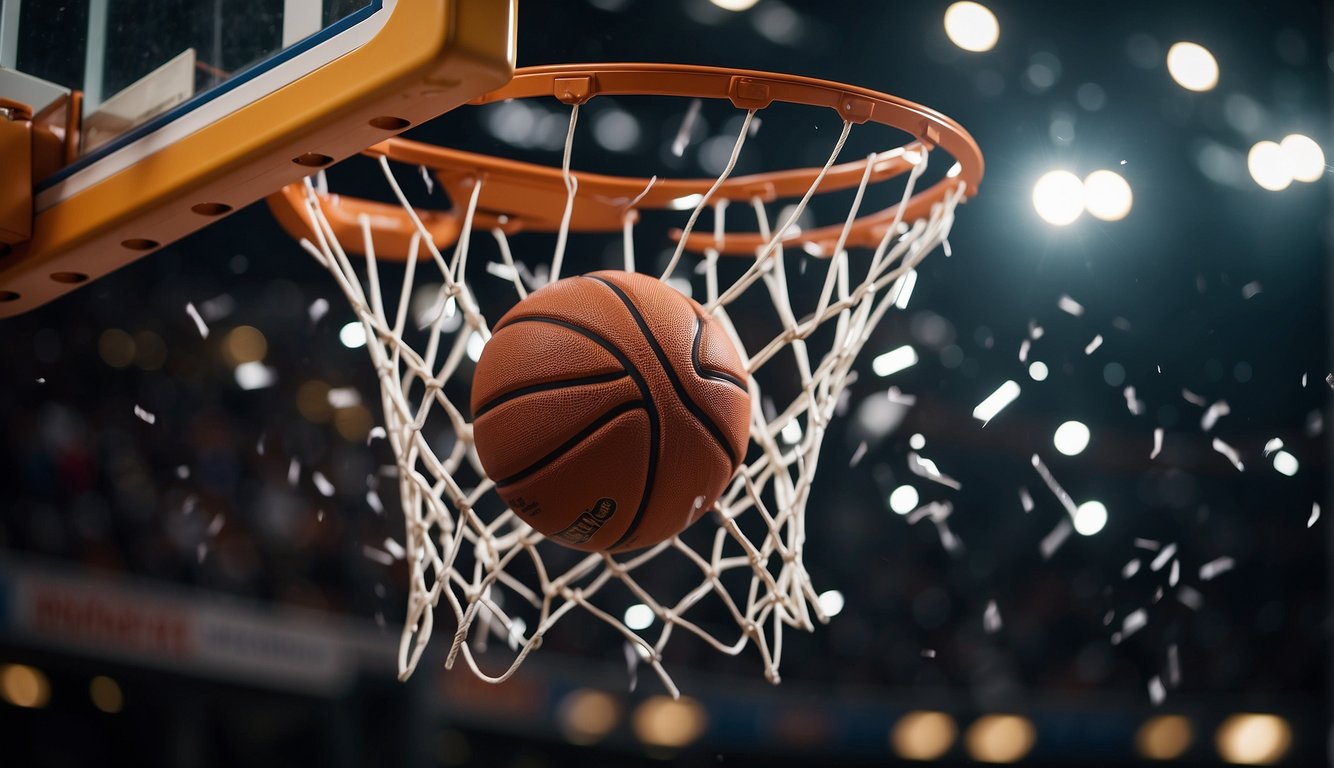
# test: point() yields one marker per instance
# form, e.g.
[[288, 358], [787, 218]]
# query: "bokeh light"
[[1192, 66], [24, 686], [1304, 157], [1071, 438], [1164, 737], [1037, 370], [353, 335], [831, 602], [663, 722], [972, 26], [1090, 517], [735, 5], [1058, 197], [638, 616], [1250, 739], [244, 344], [1286, 463], [1107, 195], [106, 694], [923, 735], [903, 499], [586, 716], [1268, 166], [894, 361], [1000, 738]]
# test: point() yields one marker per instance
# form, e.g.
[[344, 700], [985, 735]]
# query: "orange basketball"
[[611, 410]]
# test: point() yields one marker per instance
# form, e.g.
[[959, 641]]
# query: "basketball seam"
[[699, 414], [651, 408], [545, 386], [707, 373], [606, 418]]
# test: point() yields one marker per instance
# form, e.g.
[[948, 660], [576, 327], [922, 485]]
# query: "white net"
[[737, 579]]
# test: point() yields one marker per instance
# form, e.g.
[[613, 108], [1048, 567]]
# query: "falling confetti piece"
[[858, 454], [183, 472], [1134, 622], [1070, 305], [1053, 541], [1215, 568], [191, 502], [344, 397], [322, 483], [1173, 666], [259, 444], [318, 309], [631, 665], [1130, 569], [379, 556], [319, 516], [41, 380], [1161, 559], [1121, 324], [375, 433], [1193, 398], [927, 468], [1107, 618], [991, 618], [1251, 290], [201, 551], [395, 549], [1149, 544], [1025, 499], [215, 526], [1133, 403], [293, 472], [1035, 331], [427, 180], [373, 501], [145, 415], [687, 125], [1190, 597], [1174, 575], [1272, 445], [928, 653], [379, 619], [1093, 345], [1303, 380], [1157, 693], [1023, 350], [1054, 486], [199, 321], [1157, 443], [1329, 379], [1315, 515], [898, 398], [1230, 453], [996, 402], [1213, 414]]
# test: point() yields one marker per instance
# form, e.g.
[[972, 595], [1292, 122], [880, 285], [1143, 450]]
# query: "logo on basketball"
[[589, 521]]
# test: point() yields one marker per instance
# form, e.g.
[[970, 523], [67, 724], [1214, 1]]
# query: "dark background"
[[94, 489]]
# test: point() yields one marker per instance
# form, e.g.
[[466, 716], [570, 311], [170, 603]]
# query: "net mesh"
[[742, 566]]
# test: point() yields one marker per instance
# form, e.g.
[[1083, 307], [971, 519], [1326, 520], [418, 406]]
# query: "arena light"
[[24, 686], [1107, 195], [638, 616], [663, 722], [923, 735], [1071, 438], [1165, 737], [1268, 166], [1058, 197], [1251, 739], [1090, 517], [1192, 66], [735, 5], [1304, 158], [972, 26], [1000, 738], [586, 716], [353, 335]]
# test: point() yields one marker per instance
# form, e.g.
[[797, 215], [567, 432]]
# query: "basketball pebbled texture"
[[611, 411]]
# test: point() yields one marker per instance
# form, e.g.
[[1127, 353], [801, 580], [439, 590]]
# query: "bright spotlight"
[[1305, 159], [1058, 197], [1090, 517], [831, 603], [923, 735], [1268, 166], [353, 335], [1165, 737], [1107, 196], [1000, 738], [1071, 438], [972, 26], [1037, 370], [1253, 739], [903, 499], [638, 616], [1192, 66], [735, 5]]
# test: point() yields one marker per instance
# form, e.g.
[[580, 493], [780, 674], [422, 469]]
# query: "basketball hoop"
[[497, 575]]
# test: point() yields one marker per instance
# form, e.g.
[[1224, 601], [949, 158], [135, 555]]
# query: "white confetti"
[[1034, 331], [293, 472], [199, 321], [317, 309], [899, 398], [1273, 445], [1053, 541], [145, 415], [41, 379], [1121, 324], [927, 468], [1134, 622], [322, 483], [344, 397], [1315, 515], [1230, 453], [1215, 412], [1173, 666], [1023, 350], [1193, 398], [183, 472], [319, 516], [1174, 575], [1251, 290], [1216, 567], [395, 549], [427, 179], [1070, 305], [1025, 499], [1093, 345], [215, 526], [1162, 557], [373, 501], [217, 307], [991, 618], [1133, 403], [928, 653], [1190, 598], [631, 665], [1157, 443], [201, 551], [259, 444], [1130, 569], [189, 506], [687, 125], [1055, 487], [376, 432], [1107, 618], [1157, 693], [1329, 379], [1149, 544], [858, 454], [1303, 380], [379, 556], [996, 401]]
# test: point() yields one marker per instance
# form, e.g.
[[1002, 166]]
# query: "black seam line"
[[706, 373], [690, 405], [649, 405], [584, 434], [545, 386]]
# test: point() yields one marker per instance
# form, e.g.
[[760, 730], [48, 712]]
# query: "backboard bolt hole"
[[390, 123], [312, 159], [69, 277], [139, 244], [8, 296], [211, 209]]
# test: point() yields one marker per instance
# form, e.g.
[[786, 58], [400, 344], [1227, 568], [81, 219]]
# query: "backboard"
[[149, 120]]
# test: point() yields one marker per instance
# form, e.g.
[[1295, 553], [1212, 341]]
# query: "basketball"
[[611, 410]]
